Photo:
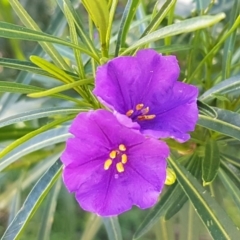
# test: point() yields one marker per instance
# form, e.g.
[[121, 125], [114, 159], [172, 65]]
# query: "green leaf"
[[185, 26], [40, 141], [158, 18], [39, 113], [179, 198], [231, 188], [80, 27], [113, 228], [23, 88], [23, 65], [211, 162], [32, 202], [55, 27], [206, 109], [227, 86], [229, 45], [49, 211], [212, 215], [234, 160], [98, 11], [156, 212], [92, 226], [232, 173], [52, 69], [226, 122], [29, 22], [74, 39], [126, 19], [62, 88], [8, 30], [34, 133]]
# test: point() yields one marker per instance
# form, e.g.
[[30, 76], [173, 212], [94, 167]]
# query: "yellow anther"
[[124, 158], [107, 164], [129, 112], [113, 154], [171, 177], [149, 117], [139, 106], [122, 147], [120, 167], [145, 111], [146, 117]]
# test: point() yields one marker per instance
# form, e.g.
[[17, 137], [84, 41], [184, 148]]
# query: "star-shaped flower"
[[111, 167], [145, 88]]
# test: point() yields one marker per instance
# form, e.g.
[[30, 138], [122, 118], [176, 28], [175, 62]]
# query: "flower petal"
[[176, 113], [140, 184], [109, 192], [124, 82]]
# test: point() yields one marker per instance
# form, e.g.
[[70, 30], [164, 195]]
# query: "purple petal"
[[124, 82], [176, 113], [109, 192], [140, 184]]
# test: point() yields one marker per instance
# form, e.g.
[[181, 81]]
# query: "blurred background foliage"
[[31, 192]]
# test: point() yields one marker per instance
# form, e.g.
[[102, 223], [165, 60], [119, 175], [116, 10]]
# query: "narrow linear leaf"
[[158, 18], [80, 26], [211, 162], [231, 172], [177, 201], [215, 48], [29, 22], [113, 228], [30, 67], [39, 113], [92, 226], [185, 26], [40, 141], [55, 27], [59, 89], [110, 22], [206, 109], [219, 225], [156, 212], [8, 30], [74, 39], [227, 86], [32, 134], [125, 22], [98, 11], [49, 211], [230, 42], [23, 88], [22, 65], [232, 189], [33, 202], [52, 69], [226, 122]]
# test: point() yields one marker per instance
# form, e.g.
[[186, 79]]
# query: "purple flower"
[[111, 167], [145, 88]]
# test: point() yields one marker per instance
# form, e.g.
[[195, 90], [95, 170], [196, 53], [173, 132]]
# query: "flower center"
[[140, 112], [119, 156]]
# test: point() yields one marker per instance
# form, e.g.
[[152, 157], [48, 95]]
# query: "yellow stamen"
[[107, 164], [129, 112], [122, 147], [139, 106], [113, 154], [146, 117], [120, 167], [124, 158]]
